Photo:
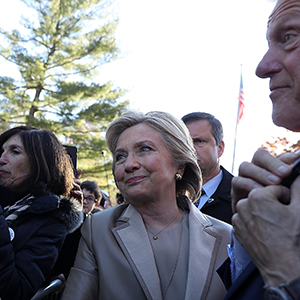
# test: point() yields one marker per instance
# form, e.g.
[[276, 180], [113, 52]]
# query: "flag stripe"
[[241, 100]]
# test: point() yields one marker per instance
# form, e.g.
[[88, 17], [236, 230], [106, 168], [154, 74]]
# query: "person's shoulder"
[[220, 226], [226, 172], [69, 211], [208, 221], [104, 220], [112, 213]]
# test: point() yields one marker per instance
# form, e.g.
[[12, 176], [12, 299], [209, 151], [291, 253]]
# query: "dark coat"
[[66, 257], [220, 208], [27, 259], [248, 286]]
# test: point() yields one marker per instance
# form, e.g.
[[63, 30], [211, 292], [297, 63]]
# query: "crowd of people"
[[183, 226]]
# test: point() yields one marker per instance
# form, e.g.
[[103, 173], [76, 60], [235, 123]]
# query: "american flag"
[[241, 100]]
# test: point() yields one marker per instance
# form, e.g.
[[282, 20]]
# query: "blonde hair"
[[177, 140]]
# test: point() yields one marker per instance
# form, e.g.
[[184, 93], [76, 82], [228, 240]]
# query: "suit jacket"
[[115, 258], [220, 208], [248, 286]]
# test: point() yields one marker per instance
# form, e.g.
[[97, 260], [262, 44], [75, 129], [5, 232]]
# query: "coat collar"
[[204, 237], [68, 210], [133, 239], [44, 203], [224, 188]]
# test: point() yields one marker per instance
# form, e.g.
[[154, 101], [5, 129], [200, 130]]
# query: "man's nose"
[[269, 65]]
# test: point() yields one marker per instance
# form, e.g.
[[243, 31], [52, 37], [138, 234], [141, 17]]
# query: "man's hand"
[[270, 231], [266, 216], [264, 170]]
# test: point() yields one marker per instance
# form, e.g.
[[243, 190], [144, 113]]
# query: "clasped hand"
[[266, 216]]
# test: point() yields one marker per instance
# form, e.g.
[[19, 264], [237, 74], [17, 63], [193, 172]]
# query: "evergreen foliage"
[[58, 54]]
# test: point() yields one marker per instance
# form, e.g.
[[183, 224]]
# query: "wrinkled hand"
[[270, 231], [266, 227], [264, 170]]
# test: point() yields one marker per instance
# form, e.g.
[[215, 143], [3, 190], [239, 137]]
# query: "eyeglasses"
[[89, 199]]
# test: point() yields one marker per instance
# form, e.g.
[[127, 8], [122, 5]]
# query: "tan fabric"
[[174, 242], [115, 259]]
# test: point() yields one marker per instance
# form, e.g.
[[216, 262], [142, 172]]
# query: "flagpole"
[[236, 124]]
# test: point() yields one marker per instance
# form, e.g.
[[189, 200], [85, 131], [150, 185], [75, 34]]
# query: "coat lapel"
[[203, 249], [208, 242], [223, 190], [134, 242]]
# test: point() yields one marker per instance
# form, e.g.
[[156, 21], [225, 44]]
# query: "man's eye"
[[288, 37], [199, 142]]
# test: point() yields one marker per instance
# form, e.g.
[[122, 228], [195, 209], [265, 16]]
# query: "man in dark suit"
[[207, 134], [266, 213]]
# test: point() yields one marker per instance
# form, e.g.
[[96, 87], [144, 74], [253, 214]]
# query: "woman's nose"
[[131, 163], [3, 159]]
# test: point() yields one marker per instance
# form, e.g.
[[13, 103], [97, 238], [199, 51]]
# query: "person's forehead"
[[87, 192], [285, 16], [283, 8], [14, 139], [138, 133], [200, 125]]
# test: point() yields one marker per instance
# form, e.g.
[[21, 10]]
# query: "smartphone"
[[287, 181], [72, 152]]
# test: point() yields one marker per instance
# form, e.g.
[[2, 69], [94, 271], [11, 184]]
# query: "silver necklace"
[[176, 262], [155, 236]]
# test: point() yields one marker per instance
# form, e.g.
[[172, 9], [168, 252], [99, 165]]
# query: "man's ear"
[[221, 148]]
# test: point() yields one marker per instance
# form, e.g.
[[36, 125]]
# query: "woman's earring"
[[178, 176]]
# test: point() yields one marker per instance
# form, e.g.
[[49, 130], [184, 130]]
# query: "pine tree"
[[58, 54]]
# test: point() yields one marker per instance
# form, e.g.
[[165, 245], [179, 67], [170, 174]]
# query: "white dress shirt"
[[209, 188]]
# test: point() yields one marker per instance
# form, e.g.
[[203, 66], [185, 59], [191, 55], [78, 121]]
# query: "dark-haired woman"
[[36, 208]]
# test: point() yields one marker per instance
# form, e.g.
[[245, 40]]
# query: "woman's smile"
[[135, 179]]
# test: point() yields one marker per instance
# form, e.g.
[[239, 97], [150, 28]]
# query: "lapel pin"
[[11, 233]]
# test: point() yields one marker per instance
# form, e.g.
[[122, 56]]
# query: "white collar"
[[211, 186]]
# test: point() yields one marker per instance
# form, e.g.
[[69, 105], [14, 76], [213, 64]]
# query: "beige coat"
[[115, 259]]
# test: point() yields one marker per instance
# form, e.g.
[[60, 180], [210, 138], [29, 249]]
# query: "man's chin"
[[287, 122]]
